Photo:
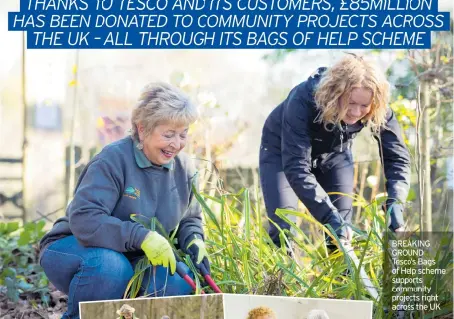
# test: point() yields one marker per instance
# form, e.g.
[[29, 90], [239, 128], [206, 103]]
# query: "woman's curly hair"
[[337, 83], [260, 312]]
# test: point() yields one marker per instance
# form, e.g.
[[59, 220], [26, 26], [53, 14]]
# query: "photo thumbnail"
[[190, 307], [274, 307]]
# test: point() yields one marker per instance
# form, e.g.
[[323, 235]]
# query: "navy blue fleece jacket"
[[292, 133]]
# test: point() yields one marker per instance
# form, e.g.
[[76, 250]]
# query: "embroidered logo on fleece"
[[132, 192]]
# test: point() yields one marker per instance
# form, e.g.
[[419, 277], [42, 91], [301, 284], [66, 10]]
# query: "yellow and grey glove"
[[159, 251], [196, 249]]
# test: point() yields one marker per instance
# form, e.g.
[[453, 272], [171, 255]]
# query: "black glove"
[[196, 249]]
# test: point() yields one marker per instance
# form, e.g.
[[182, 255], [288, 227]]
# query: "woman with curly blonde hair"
[[261, 312], [126, 312], [306, 144]]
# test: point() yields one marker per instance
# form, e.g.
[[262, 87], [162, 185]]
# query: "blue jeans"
[[93, 273]]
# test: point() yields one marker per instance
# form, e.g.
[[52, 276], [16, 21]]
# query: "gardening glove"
[[196, 249], [159, 251]]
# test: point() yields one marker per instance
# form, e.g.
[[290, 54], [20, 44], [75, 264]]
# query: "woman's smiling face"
[[164, 143], [358, 105]]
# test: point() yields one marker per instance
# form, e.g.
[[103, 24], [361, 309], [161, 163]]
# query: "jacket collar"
[[143, 162]]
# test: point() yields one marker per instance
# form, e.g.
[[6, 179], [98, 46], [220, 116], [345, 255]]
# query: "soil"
[[31, 307]]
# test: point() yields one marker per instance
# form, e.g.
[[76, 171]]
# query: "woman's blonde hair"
[[260, 312], [126, 310], [351, 72], [162, 103]]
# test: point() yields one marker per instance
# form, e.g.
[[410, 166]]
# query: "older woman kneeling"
[[91, 253]]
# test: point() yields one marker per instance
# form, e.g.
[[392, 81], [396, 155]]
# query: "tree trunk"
[[438, 136], [426, 207], [25, 142], [72, 153]]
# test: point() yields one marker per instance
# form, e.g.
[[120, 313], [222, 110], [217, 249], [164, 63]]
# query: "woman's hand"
[[198, 252], [159, 251]]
